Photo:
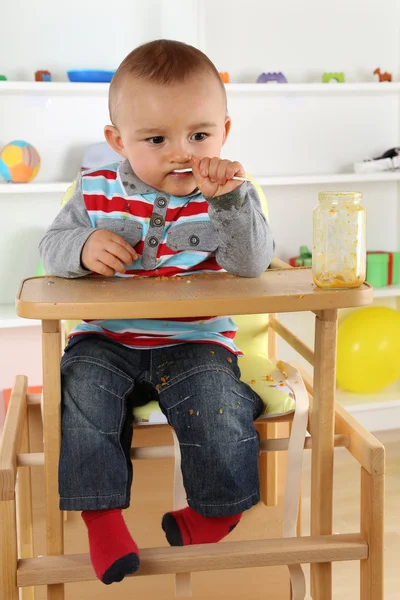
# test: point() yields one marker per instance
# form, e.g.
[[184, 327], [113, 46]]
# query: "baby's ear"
[[113, 137], [227, 128]]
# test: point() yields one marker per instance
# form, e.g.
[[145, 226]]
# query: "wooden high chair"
[[52, 300]]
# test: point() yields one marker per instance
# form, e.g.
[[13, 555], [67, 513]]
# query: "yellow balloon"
[[369, 350]]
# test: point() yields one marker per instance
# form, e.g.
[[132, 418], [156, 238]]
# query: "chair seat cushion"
[[259, 373]]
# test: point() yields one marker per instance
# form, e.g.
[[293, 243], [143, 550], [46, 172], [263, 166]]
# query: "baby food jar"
[[339, 240]]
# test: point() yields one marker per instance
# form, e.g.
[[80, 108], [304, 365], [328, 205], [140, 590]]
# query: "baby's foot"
[[113, 552], [185, 527]]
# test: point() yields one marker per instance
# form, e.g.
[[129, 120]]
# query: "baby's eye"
[[199, 137], [158, 139]]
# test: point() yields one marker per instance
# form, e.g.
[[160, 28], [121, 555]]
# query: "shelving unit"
[[38, 187], [68, 88], [53, 88], [314, 88], [34, 187], [390, 291], [9, 319], [379, 411], [391, 393], [329, 178]]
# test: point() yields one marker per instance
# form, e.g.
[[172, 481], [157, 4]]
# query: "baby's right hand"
[[106, 253]]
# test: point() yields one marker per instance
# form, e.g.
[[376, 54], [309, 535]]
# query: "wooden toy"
[[268, 77], [329, 76], [225, 77], [42, 76], [383, 76]]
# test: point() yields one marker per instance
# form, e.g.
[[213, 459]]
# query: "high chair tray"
[[286, 290]]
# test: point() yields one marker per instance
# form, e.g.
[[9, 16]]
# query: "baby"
[[143, 217]]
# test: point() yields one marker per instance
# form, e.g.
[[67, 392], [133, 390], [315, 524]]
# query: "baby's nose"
[[180, 153]]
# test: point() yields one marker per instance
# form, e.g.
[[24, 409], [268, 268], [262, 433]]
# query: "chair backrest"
[[252, 337]]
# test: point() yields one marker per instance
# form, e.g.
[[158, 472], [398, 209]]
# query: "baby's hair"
[[161, 62]]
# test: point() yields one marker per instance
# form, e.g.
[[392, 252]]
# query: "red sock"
[[186, 526], [113, 552]]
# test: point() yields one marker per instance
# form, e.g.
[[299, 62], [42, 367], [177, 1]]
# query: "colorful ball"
[[19, 162]]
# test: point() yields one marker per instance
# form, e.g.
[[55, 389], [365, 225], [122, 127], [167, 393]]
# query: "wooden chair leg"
[[372, 528], [322, 444], [8, 551], [51, 344], [24, 503], [9, 446]]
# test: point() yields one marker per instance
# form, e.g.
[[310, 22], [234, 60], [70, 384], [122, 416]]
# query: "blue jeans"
[[211, 410]]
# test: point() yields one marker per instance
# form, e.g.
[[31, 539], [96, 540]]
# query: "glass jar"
[[339, 240]]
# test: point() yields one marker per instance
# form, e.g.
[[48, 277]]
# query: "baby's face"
[[162, 127]]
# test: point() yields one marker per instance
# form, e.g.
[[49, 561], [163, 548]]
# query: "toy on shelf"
[[39, 269], [388, 161], [383, 76], [368, 350], [3, 78], [225, 77], [303, 260], [42, 76], [90, 75], [19, 162], [328, 76], [267, 77], [383, 268]]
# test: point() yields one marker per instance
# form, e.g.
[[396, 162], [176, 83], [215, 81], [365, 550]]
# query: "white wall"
[[58, 36], [303, 39], [96, 34]]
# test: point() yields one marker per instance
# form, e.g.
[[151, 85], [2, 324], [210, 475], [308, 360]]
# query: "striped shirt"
[[173, 237]]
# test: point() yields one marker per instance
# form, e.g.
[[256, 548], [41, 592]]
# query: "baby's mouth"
[[181, 173]]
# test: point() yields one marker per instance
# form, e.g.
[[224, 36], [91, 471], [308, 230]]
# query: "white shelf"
[[34, 188], [328, 178], [389, 394], [67, 88], [9, 319], [389, 291], [53, 88], [61, 186], [314, 88]]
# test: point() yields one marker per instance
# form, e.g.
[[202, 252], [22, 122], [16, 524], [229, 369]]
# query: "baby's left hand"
[[214, 175]]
